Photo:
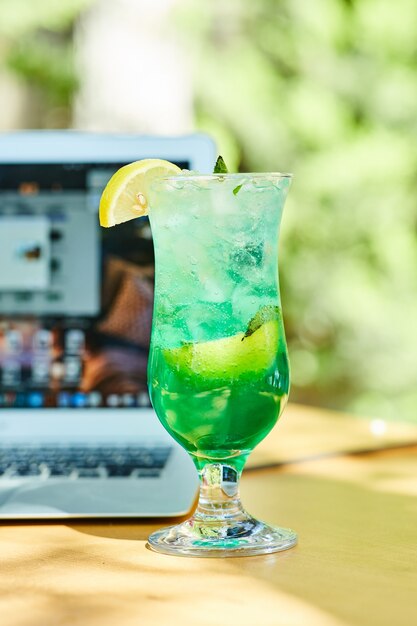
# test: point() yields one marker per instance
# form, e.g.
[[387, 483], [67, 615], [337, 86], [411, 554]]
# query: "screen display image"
[[25, 252], [75, 299]]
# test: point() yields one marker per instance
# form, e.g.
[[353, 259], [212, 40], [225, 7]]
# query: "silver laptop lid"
[[75, 300]]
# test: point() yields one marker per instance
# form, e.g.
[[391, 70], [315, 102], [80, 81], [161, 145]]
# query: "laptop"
[[78, 436]]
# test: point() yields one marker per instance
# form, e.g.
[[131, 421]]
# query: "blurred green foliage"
[[50, 70], [36, 44], [326, 89]]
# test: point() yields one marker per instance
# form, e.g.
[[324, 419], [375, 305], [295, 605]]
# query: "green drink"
[[218, 368], [221, 397]]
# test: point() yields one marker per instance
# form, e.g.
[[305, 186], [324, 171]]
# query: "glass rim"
[[228, 176]]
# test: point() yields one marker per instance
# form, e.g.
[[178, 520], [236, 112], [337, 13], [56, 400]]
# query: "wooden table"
[[347, 486]]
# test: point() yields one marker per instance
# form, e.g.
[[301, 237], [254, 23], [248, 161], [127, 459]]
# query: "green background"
[[326, 89]]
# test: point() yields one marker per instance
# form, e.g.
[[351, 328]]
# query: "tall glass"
[[218, 368]]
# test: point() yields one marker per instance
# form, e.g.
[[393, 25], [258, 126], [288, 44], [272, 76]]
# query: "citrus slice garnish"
[[125, 196], [229, 357]]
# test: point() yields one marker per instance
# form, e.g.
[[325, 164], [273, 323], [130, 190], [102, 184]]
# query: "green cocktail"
[[221, 397], [218, 367]]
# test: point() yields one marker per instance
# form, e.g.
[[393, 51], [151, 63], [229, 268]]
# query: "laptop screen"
[[75, 299]]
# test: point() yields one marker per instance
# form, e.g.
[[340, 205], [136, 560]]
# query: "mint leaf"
[[220, 167], [265, 314], [237, 189]]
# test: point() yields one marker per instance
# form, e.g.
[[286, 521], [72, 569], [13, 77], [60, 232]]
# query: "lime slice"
[[125, 196], [229, 357]]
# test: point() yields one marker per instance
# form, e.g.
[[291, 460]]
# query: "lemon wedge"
[[229, 357], [125, 196]]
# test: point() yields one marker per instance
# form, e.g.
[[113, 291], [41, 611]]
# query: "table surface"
[[348, 486]]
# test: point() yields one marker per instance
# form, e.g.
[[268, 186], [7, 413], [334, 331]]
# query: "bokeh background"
[[324, 88]]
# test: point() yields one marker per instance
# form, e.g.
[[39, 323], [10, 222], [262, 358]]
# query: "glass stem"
[[219, 498]]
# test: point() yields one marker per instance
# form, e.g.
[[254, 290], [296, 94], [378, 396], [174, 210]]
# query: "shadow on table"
[[134, 529], [353, 560], [355, 563]]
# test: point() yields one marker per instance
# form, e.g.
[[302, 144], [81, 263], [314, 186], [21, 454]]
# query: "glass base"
[[245, 538]]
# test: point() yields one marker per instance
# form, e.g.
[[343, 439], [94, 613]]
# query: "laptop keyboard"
[[83, 462]]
